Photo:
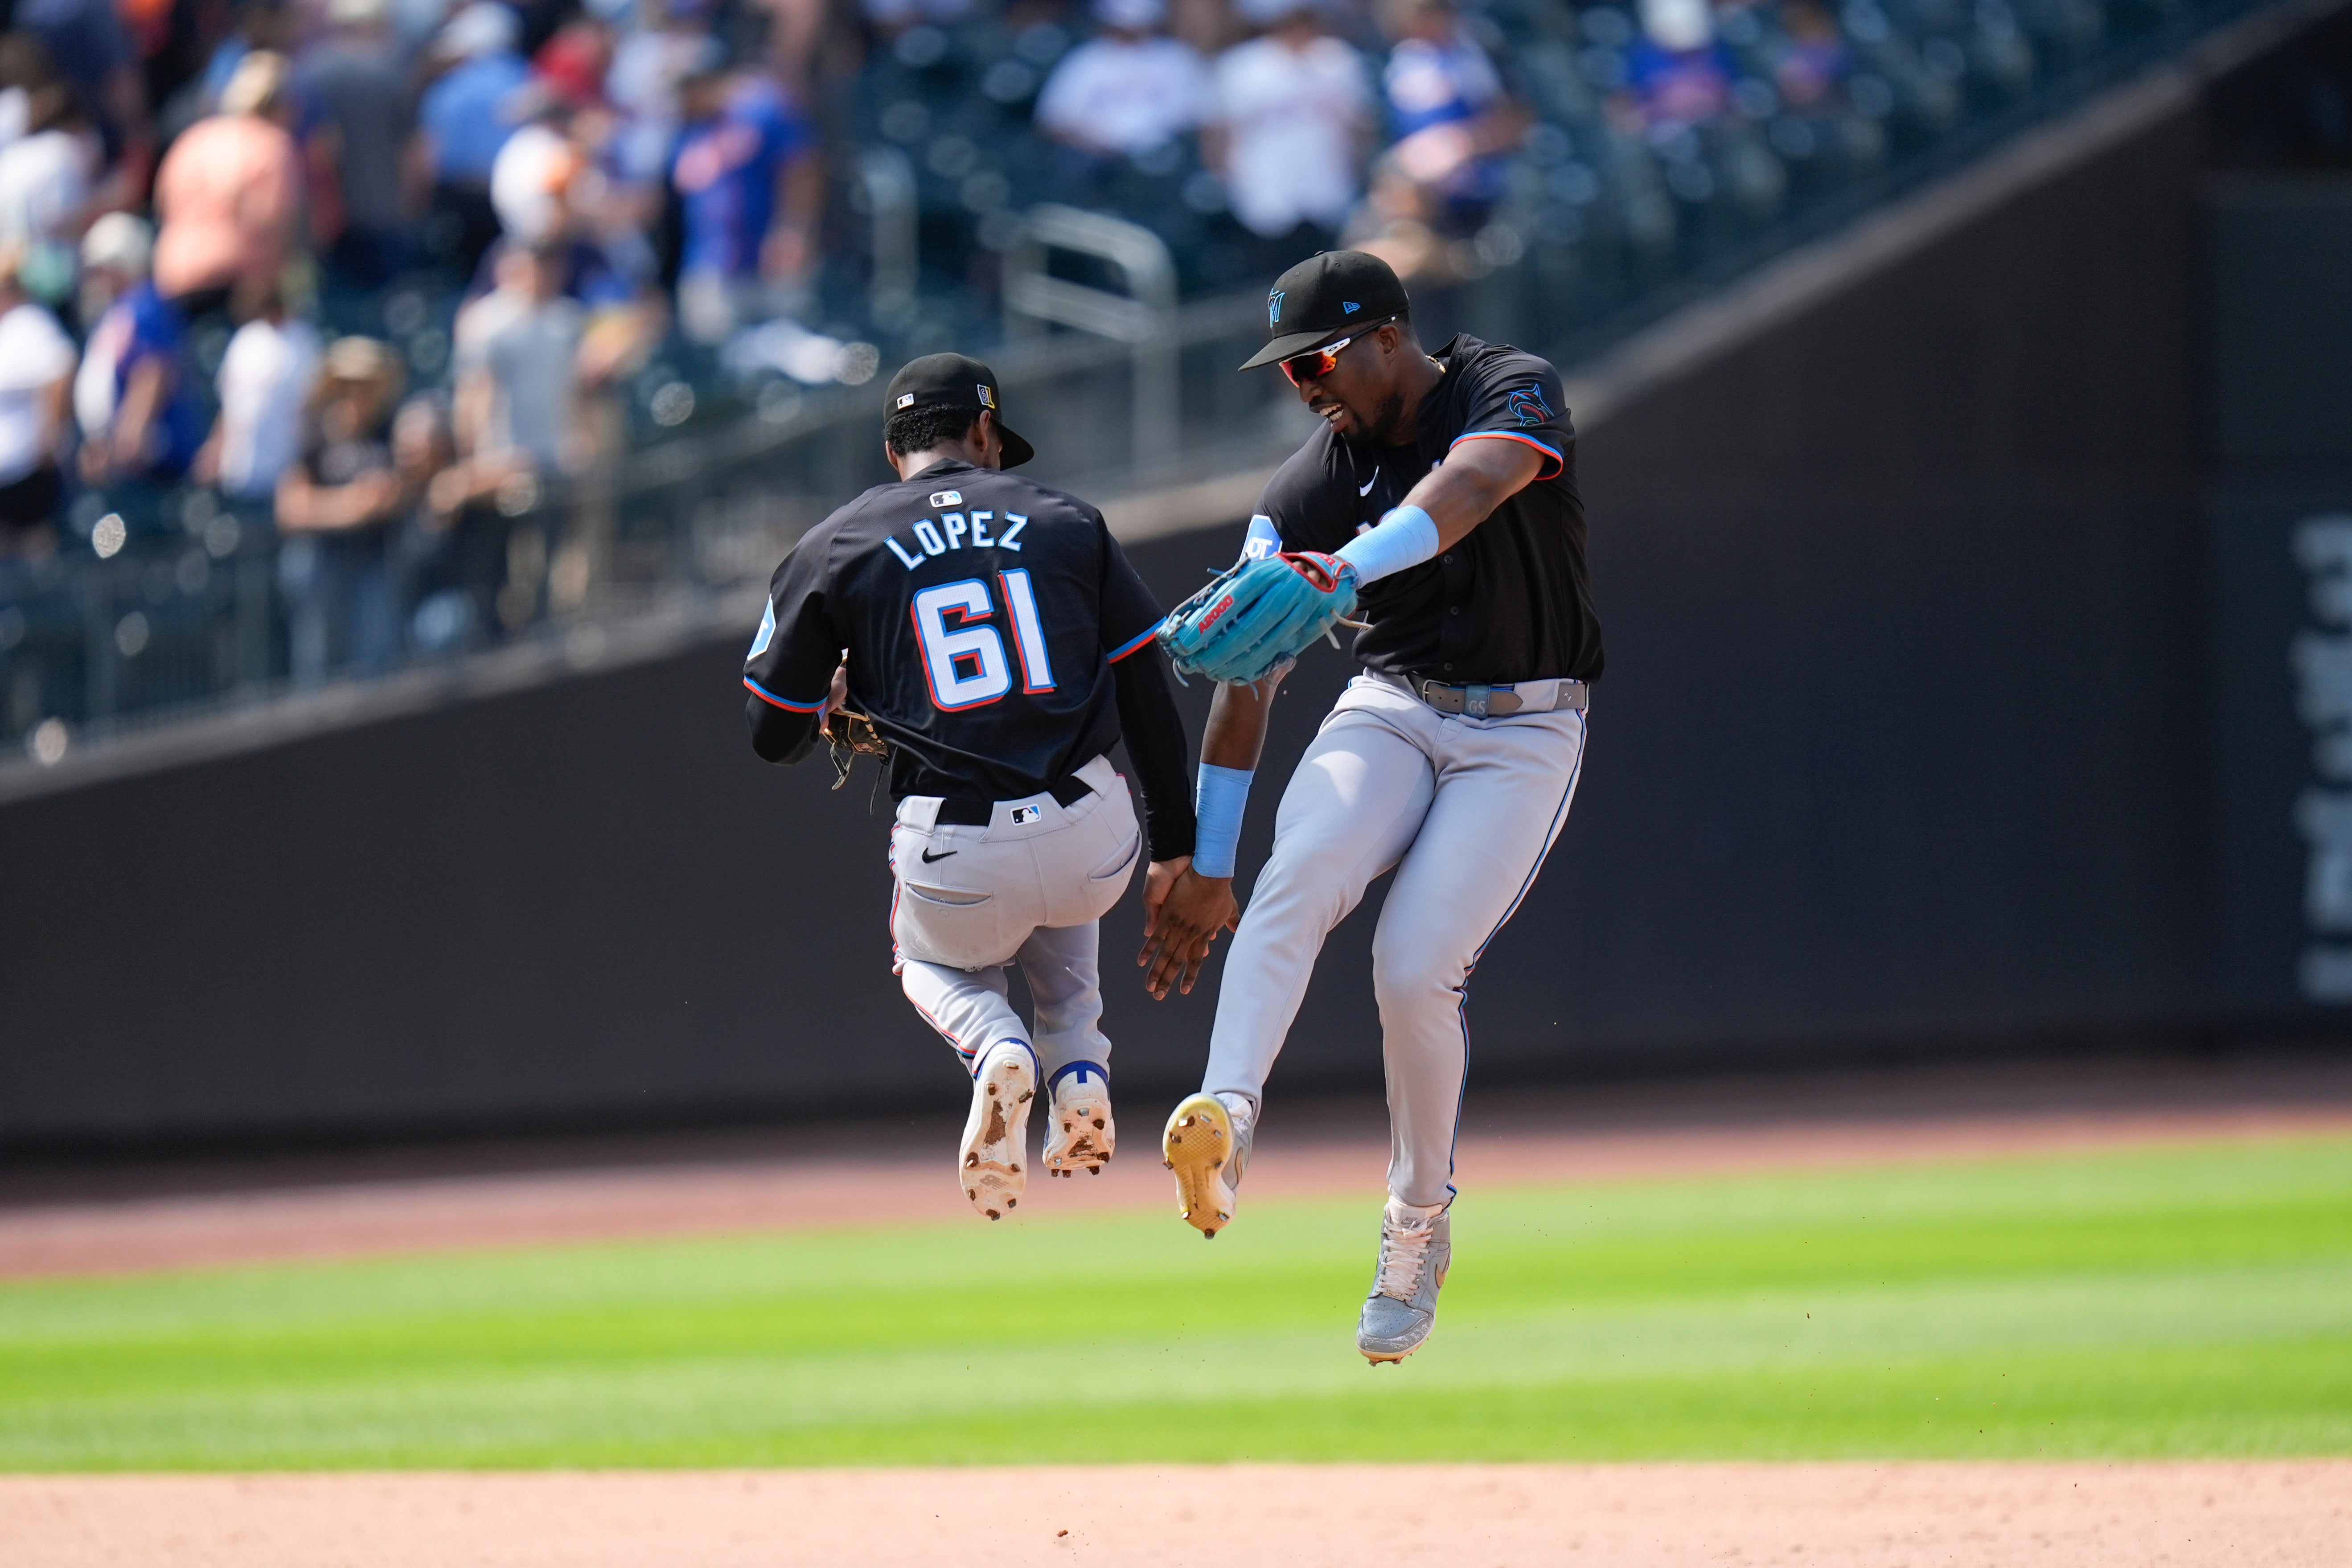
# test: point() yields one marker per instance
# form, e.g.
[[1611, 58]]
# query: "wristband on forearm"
[[1217, 805], [1406, 537]]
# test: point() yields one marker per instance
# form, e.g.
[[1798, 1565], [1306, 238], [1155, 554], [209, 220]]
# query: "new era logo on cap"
[[987, 395], [1350, 308]]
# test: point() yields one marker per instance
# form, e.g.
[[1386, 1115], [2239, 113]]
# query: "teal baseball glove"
[[1259, 614]]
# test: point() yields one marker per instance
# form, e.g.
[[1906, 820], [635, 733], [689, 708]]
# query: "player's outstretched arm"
[[1186, 905], [1476, 477], [1236, 735]]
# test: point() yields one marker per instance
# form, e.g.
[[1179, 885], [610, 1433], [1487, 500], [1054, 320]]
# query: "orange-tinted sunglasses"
[[1317, 363]]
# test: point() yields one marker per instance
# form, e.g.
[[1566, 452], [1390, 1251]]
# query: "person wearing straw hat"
[[336, 505]]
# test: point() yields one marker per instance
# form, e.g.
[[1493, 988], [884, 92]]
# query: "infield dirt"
[[2276, 1514]]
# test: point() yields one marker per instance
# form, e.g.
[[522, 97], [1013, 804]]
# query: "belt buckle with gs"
[[1478, 701], [1475, 702]]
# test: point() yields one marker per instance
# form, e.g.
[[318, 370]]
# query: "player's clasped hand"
[[1259, 614], [1182, 913]]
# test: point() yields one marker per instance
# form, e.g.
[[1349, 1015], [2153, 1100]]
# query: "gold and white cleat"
[[1079, 1131], [996, 1133], [1201, 1148]]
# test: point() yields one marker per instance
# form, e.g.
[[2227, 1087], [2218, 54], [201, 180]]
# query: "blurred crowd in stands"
[[355, 287]]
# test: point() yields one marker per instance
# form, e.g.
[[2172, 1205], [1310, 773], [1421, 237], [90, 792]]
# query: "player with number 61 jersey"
[[994, 634], [983, 614]]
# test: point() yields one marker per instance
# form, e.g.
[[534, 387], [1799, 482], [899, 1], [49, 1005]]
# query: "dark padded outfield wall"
[[2281, 530], [1907, 745]]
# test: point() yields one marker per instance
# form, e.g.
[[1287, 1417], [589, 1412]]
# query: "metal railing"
[[1143, 319], [886, 191]]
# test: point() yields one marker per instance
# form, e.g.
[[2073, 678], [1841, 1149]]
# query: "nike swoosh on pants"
[[929, 856]]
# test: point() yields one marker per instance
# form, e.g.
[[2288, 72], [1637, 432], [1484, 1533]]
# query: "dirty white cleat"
[[996, 1133], [1079, 1131], [1416, 1250], [1207, 1153]]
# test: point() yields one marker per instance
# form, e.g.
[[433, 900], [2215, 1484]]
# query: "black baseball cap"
[[1322, 297], [954, 381]]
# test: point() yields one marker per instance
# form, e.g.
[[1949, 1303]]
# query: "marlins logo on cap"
[[1330, 292]]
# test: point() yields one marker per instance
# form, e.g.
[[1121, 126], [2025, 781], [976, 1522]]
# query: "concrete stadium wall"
[[1907, 746]]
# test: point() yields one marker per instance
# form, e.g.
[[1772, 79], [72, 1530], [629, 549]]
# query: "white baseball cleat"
[[996, 1133], [1201, 1145], [1416, 1250], [1079, 1131]]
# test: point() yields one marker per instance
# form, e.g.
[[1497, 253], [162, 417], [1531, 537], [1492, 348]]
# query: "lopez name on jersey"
[[955, 530]]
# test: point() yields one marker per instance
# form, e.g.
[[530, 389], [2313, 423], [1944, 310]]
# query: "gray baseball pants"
[[1028, 889], [1466, 810]]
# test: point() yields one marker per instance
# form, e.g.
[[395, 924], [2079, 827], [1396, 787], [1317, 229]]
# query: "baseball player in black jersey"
[[1442, 491], [996, 638]]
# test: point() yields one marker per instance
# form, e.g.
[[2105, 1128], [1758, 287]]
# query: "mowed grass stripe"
[[2186, 1300]]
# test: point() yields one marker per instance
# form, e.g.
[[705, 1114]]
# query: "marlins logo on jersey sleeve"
[[1515, 396]]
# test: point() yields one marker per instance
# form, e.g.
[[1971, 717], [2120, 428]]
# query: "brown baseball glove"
[[852, 735]]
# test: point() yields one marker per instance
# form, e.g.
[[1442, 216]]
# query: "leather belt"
[[1479, 702], [963, 811]]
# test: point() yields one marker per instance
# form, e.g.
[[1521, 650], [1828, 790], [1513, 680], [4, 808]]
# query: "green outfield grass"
[[2182, 1301]]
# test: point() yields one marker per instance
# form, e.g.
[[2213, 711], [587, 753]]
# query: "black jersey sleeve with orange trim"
[[1514, 396]]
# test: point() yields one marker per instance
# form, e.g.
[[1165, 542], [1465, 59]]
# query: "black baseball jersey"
[[981, 613], [1512, 601]]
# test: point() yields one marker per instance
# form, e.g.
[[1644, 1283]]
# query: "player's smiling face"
[[1357, 396]]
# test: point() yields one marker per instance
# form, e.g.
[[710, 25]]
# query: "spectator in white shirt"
[[37, 368], [46, 197], [1128, 91], [265, 382], [1290, 119]]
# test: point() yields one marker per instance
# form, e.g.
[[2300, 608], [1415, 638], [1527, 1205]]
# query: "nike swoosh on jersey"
[[929, 856], [1370, 482]]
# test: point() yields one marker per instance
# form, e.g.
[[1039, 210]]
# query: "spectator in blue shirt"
[[748, 185], [1676, 72], [465, 116], [1451, 117], [1453, 123], [134, 396]]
